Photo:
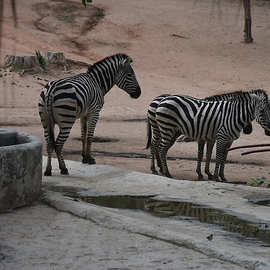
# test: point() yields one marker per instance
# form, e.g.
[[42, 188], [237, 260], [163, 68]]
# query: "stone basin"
[[20, 169]]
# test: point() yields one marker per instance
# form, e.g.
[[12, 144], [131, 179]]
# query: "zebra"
[[220, 121], [151, 121], [210, 143], [82, 96]]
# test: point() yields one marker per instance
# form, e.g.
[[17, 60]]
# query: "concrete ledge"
[[20, 169]]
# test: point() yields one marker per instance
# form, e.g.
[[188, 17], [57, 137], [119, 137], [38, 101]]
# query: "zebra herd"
[[218, 119]]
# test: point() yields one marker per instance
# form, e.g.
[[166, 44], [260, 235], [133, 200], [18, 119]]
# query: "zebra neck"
[[250, 108], [105, 77]]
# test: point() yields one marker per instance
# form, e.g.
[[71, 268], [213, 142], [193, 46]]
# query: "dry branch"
[[249, 146], [255, 151]]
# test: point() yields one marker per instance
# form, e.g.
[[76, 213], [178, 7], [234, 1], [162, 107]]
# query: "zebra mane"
[[228, 94], [260, 92], [236, 95], [119, 57]]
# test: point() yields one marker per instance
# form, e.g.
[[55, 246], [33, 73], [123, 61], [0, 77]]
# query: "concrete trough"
[[20, 169]]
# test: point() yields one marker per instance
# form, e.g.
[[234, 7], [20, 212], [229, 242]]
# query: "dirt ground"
[[185, 47]]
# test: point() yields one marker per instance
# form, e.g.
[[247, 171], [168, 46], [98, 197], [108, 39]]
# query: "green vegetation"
[[261, 181], [41, 60], [99, 14], [86, 1]]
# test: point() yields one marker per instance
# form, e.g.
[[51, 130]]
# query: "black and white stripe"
[[201, 143], [220, 121], [82, 96], [210, 144]]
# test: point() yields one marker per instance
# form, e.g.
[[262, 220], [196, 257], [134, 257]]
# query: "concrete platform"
[[108, 180]]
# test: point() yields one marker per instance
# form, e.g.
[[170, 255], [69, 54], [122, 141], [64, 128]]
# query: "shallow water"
[[169, 208]]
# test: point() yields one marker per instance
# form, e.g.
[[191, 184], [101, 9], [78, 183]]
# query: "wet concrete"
[[169, 210], [166, 208]]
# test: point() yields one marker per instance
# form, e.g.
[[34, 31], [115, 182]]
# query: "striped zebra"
[[151, 116], [210, 143], [220, 121], [82, 96]]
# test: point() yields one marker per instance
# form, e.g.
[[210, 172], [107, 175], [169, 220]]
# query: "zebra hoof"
[[88, 160], [221, 179], [154, 172], [48, 173], [200, 178], [64, 171], [91, 161]]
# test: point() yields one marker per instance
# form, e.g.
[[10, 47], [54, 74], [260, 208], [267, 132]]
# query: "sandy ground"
[[185, 47]]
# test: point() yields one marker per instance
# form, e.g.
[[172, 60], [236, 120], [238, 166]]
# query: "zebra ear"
[[127, 61]]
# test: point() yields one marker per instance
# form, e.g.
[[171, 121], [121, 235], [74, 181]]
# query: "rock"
[[55, 57], [36, 62], [21, 62]]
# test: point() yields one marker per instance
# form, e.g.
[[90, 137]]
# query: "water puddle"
[[169, 208]]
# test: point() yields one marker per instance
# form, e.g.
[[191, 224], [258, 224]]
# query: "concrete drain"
[[177, 210]]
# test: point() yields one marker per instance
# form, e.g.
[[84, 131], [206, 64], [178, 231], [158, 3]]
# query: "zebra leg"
[[84, 138], [49, 144], [60, 141], [48, 171], [220, 158], [201, 144], [210, 145], [163, 150], [62, 165], [91, 125], [163, 158], [154, 149], [222, 165]]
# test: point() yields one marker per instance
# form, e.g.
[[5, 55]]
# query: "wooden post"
[[247, 27]]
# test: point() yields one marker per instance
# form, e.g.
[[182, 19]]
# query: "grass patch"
[[41, 60]]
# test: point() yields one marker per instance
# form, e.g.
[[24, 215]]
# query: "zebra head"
[[126, 79], [262, 109]]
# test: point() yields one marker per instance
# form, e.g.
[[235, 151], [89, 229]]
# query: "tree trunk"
[[247, 27]]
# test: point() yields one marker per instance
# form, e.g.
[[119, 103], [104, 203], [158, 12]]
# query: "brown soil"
[[188, 48]]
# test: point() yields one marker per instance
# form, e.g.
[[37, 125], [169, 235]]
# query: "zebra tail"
[[149, 134], [51, 121]]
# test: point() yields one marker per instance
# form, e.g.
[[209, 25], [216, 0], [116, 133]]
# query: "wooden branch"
[[249, 146], [247, 27], [14, 12], [255, 151]]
